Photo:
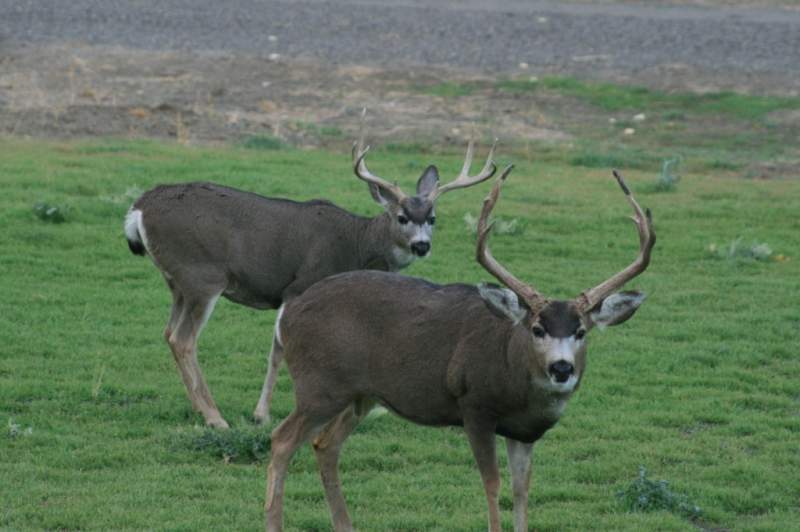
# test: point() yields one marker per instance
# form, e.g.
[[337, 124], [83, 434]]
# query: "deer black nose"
[[420, 249], [561, 370]]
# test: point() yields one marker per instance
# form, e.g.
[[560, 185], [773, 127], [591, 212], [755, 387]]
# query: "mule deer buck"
[[210, 241], [491, 359]]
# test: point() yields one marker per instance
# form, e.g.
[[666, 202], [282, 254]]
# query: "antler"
[[534, 299], [464, 179], [360, 167], [647, 239]]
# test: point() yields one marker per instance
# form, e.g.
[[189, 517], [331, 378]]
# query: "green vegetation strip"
[[613, 97], [699, 388]]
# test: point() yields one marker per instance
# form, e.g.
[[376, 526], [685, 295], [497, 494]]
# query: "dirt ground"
[[208, 97], [84, 91]]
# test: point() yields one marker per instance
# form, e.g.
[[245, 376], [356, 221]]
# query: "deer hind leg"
[[176, 311], [261, 413], [519, 462], [298, 428], [194, 314], [327, 447]]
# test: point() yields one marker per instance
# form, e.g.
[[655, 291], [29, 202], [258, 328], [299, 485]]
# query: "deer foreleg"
[[519, 462], [482, 441]]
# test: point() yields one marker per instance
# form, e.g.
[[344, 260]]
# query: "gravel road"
[[748, 49]]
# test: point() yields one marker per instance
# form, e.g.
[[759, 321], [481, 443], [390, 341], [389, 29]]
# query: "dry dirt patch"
[[207, 97]]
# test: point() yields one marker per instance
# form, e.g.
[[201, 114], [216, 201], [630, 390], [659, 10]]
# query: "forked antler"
[[533, 298], [464, 179], [647, 239], [360, 166]]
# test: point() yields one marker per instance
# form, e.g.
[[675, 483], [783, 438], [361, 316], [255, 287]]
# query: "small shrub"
[[15, 430], [54, 214], [501, 226], [645, 495], [238, 445], [670, 175], [738, 250]]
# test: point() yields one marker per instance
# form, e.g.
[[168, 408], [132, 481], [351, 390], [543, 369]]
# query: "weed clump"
[[54, 214], [738, 250], [235, 445], [646, 495], [668, 179], [501, 226], [15, 430]]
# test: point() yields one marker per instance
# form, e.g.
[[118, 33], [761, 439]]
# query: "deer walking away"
[[211, 241], [495, 360]]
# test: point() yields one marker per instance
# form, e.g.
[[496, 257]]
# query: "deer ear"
[[382, 197], [503, 301], [616, 308], [428, 181]]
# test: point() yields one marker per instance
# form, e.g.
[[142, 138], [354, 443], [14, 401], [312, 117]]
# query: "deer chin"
[[550, 384], [402, 257]]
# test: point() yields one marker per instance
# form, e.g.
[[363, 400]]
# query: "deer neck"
[[377, 249]]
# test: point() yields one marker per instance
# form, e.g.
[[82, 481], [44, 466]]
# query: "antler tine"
[[529, 295], [464, 179], [647, 239], [360, 166]]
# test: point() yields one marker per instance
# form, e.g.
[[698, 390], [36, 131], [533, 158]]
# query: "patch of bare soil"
[[210, 97]]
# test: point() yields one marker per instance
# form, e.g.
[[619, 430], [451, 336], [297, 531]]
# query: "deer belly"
[[426, 410]]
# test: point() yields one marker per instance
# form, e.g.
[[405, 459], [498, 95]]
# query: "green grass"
[[96, 433], [614, 97]]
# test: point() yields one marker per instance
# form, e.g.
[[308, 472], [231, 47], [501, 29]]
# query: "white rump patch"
[[134, 228]]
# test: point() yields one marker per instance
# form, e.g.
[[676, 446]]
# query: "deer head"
[[412, 217], [558, 328]]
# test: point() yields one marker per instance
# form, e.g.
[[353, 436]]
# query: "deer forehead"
[[560, 319], [417, 209]]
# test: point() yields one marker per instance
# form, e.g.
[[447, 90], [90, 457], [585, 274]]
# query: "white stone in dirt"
[[272, 38], [523, 65], [629, 131], [639, 118]]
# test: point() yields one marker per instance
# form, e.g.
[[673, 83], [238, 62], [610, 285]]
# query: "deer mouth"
[[565, 386], [421, 249]]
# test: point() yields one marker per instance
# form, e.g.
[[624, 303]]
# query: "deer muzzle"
[[561, 371]]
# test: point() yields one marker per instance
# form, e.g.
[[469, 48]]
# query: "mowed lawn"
[[701, 387]]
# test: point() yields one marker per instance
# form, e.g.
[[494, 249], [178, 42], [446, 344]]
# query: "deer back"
[[259, 246]]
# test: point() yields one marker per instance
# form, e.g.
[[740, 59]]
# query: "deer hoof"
[[261, 418], [217, 423]]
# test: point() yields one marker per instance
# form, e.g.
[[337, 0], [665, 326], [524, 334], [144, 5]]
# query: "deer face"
[[557, 332], [558, 335], [412, 217]]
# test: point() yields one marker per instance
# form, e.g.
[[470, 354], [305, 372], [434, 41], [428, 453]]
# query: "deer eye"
[[538, 331], [432, 220], [580, 333], [402, 220]]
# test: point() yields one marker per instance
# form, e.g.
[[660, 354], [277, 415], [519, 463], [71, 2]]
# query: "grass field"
[[700, 388]]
